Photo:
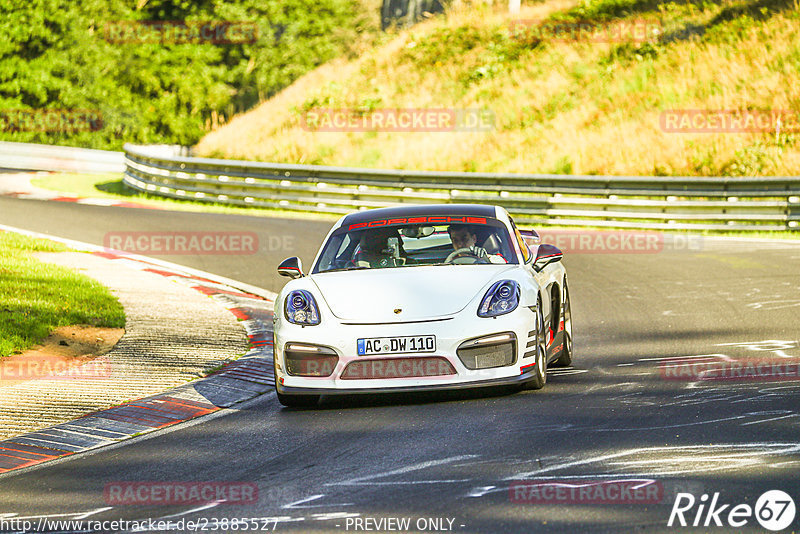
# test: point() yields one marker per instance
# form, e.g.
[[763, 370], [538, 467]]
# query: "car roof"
[[460, 210]]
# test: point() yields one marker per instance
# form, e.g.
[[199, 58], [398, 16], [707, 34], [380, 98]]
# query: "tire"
[[565, 360], [298, 401], [540, 378], [294, 401]]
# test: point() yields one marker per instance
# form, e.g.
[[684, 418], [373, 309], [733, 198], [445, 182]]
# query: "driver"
[[463, 236]]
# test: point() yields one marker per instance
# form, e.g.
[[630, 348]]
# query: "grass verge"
[[36, 297]]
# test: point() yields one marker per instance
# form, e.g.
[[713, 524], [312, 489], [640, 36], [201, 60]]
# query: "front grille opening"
[[477, 355], [398, 368], [309, 360]]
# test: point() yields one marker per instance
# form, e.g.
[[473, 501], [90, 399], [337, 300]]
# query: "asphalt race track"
[[621, 418]]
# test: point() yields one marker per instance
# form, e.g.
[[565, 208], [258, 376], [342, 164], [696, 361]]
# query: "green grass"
[[36, 297], [111, 186], [83, 185]]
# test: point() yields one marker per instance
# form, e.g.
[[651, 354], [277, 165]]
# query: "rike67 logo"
[[774, 510]]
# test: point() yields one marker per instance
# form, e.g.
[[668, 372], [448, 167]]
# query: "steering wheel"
[[465, 250]]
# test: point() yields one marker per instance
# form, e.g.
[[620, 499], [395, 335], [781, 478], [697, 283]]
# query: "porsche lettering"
[[437, 219]]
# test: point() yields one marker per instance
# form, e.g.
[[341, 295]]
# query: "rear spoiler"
[[531, 237]]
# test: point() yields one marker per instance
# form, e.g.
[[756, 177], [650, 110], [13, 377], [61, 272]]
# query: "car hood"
[[372, 296]]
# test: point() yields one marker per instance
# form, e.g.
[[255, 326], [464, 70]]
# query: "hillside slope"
[[559, 105]]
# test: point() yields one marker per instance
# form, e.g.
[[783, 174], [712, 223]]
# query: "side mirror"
[[545, 255], [531, 237], [291, 267]]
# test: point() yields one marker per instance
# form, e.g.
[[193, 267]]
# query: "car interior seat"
[[492, 244]]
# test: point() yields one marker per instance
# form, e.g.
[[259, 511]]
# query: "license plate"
[[396, 345]]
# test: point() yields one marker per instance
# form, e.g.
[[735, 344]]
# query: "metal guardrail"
[[652, 202], [34, 157]]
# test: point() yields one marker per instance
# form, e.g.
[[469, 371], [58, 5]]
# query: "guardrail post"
[[793, 213]]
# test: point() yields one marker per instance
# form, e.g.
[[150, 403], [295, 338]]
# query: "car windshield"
[[409, 245]]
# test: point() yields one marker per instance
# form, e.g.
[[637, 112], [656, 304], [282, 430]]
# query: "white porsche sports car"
[[421, 298]]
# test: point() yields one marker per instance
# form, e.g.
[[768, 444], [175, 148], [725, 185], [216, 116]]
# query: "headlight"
[[502, 298], [301, 308]]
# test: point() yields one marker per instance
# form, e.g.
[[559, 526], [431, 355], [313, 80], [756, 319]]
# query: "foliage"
[[60, 55]]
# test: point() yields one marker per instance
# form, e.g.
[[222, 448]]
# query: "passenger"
[[380, 247]]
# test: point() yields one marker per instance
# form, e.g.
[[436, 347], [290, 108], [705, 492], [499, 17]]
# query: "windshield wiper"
[[354, 268]]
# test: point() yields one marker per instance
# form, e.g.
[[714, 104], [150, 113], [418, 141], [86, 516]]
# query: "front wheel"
[[540, 378], [298, 401], [294, 401]]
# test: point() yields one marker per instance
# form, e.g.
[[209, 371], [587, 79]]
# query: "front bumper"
[[519, 379], [450, 334]]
